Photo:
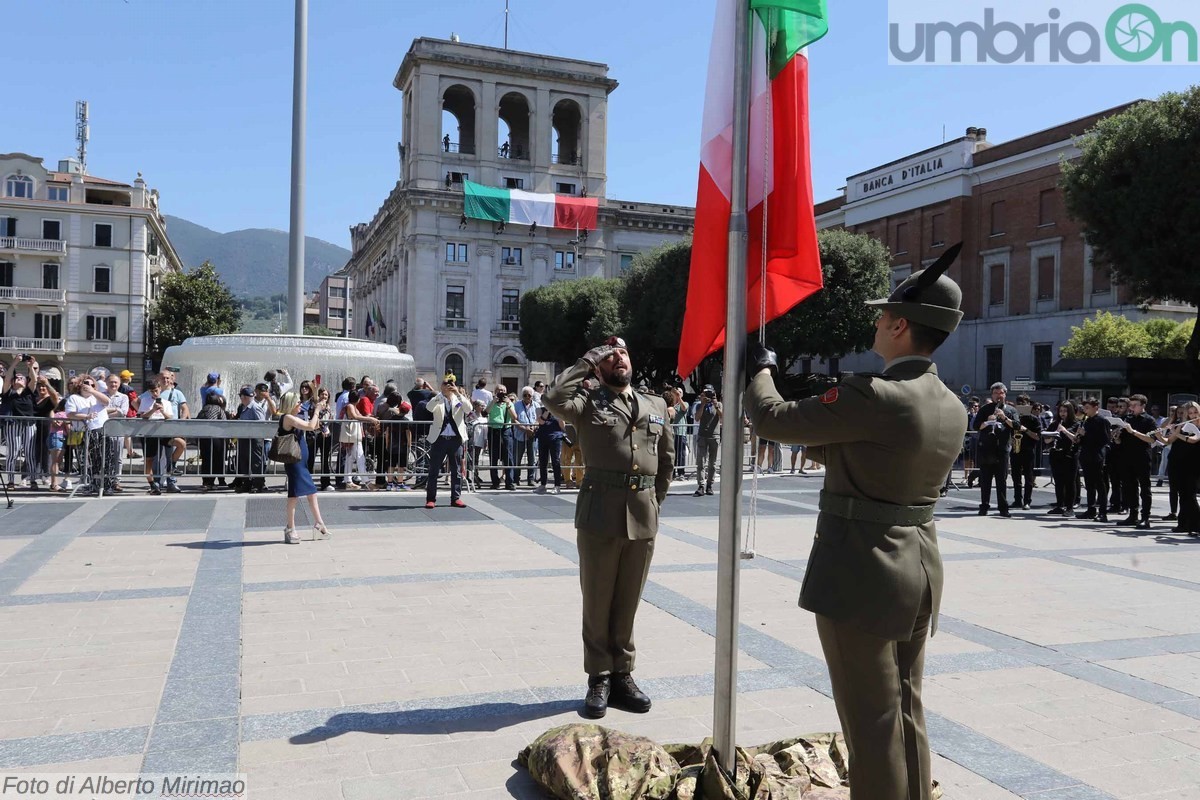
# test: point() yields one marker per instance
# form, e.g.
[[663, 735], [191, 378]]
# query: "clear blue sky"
[[197, 94]]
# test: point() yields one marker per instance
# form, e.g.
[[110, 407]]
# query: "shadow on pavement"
[[222, 545], [489, 717]]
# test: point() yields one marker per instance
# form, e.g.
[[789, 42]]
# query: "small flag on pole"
[[779, 183]]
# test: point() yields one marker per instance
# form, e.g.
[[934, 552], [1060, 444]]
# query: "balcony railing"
[[19, 293], [19, 344], [15, 243], [564, 158], [455, 147], [510, 326], [454, 323], [513, 153], [156, 262]]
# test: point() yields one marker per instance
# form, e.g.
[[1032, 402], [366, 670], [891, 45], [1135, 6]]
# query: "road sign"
[[1023, 383], [965, 390]]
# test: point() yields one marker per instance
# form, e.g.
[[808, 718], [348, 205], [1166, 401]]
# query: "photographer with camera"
[[708, 439], [17, 405]]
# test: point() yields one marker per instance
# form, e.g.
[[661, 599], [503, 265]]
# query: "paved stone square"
[[417, 652]]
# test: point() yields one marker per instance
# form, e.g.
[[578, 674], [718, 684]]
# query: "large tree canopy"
[[836, 321], [192, 303], [652, 303], [1133, 188], [1108, 336], [562, 320]]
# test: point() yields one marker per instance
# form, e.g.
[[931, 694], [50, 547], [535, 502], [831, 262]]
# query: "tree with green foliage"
[[194, 303], [319, 330], [1133, 188], [652, 303], [836, 320], [1175, 344], [562, 320], [1108, 335]]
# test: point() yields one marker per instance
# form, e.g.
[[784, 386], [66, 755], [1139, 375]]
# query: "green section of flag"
[[485, 202], [791, 26]]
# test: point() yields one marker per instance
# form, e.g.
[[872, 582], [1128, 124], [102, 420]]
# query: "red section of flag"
[[830, 396], [793, 260], [576, 212]]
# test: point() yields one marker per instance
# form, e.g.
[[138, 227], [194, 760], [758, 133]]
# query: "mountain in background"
[[254, 261]]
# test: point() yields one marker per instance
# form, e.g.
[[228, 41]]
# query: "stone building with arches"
[[447, 289]]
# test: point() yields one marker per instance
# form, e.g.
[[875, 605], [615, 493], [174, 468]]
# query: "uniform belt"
[[624, 480], [858, 508]]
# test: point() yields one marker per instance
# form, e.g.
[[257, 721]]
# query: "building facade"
[[334, 300], [446, 289], [1026, 273], [80, 262]]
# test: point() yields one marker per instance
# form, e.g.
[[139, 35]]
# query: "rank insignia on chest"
[[655, 418], [830, 396]]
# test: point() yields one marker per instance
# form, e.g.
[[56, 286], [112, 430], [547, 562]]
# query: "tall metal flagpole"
[[729, 539], [295, 317]]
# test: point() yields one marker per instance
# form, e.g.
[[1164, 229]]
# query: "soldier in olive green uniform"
[[629, 453], [874, 577]]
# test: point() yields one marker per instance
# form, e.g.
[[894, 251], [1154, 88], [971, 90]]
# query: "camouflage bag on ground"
[[587, 762]]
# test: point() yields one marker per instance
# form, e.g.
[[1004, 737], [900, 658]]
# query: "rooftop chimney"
[[454, 37]]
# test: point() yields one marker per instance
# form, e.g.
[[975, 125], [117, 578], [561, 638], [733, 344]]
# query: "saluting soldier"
[[874, 577], [629, 455]]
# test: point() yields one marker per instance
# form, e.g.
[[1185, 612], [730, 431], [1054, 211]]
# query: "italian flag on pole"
[[779, 180], [527, 208]]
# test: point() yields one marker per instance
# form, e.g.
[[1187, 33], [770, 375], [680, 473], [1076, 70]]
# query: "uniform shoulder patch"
[[830, 396]]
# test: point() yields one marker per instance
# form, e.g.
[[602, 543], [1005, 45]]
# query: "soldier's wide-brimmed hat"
[[928, 296]]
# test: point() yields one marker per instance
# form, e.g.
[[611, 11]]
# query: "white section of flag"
[[526, 208]]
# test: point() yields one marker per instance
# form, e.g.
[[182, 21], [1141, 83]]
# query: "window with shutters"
[[997, 215], [47, 326], [101, 329], [938, 230], [996, 284], [6, 273], [3, 316], [102, 280], [51, 229], [1045, 278], [103, 235], [1046, 207], [901, 238], [50, 276], [8, 226], [1043, 353], [994, 359]]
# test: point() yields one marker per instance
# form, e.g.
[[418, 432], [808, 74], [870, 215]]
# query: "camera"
[[708, 394], [25, 357]]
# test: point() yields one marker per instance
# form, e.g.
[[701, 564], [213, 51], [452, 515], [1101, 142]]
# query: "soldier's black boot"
[[627, 695], [595, 705]]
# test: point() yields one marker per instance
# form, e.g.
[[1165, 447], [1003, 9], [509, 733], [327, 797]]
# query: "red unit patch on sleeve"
[[831, 396]]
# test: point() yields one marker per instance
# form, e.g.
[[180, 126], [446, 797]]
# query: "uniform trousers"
[[877, 691], [1095, 480], [1114, 471], [612, 574], [1062, 467], [1137, 482], [997, 471], [1022, 474], [708, 450]]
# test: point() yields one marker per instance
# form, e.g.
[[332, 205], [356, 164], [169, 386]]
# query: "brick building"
[[1026, 273]]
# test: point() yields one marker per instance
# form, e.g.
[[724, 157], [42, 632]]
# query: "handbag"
[[285, 448], [351, 432]]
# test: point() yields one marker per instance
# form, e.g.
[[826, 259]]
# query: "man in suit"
[[447, 432], [995, 423], [629, 453], [874, 577]]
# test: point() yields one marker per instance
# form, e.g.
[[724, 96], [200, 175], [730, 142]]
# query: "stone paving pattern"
[[417, 652]]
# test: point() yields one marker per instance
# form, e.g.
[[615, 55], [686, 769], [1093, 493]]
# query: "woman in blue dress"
[[299, 479]]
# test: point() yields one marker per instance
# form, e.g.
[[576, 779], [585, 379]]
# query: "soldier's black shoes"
[[1090, 514], [626, 694], [1144, 525], [699, 492], [595, 705], [708, 490], [1128, 521], [1005, 514]]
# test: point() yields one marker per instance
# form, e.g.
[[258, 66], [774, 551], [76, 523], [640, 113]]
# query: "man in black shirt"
[[995, 424], [1093, 448], [1136, 444], [1026, 439], [1114, 463]]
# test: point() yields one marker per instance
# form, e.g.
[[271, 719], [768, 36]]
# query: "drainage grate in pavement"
[[31, 519], [360, 510], [155, 516]]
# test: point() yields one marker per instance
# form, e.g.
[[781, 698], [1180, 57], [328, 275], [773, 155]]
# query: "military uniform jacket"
[[616, 440], [888, 438]]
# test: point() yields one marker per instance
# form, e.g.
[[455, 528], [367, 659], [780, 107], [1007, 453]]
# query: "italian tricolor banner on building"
[[779, 183], [526, 208]]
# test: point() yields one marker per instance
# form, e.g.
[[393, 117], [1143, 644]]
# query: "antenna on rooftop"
[[81, 133], [505, 24]]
